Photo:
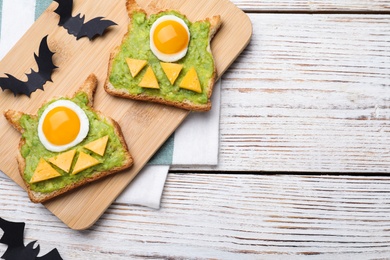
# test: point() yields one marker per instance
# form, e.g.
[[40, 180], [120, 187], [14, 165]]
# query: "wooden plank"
[[310, 94], [242, 216], [145, 126], [351, 6]]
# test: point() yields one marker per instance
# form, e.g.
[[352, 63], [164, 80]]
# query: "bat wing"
[[35, 80], [94, 27], [52, 255], [13, 235], [64, 10], [45, 60], [13, 84]]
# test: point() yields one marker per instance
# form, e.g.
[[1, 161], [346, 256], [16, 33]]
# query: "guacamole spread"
[[33, 150], [136, 46]]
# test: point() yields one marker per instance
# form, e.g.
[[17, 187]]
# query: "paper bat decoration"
[[36, 79], [13, 237], [76, 26]]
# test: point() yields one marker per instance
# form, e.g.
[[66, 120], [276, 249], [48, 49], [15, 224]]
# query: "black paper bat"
[[76, 26], [36, 79], [13, 237]]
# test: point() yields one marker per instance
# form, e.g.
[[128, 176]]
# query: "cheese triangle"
[[98, 146], [135, 65], [63, 160], [44, 171], [84, 162], [149, 80], [172, 70], [191, 81]]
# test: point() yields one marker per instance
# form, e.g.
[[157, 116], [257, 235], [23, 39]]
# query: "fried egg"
[[169, 38], [63, 124]]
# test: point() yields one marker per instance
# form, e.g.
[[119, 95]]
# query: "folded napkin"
[[195, 142]]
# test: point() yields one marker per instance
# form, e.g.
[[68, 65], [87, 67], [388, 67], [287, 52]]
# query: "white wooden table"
[[304, 153]]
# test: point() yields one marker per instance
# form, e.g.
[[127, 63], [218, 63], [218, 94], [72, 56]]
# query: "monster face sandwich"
[[164, 58], [67, 144]]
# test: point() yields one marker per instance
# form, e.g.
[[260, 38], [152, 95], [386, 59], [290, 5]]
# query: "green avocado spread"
[[33, 149], [136, 46]]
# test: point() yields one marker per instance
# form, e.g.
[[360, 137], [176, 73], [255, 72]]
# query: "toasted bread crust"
[[215, 23], [13, 118], [89, 87]]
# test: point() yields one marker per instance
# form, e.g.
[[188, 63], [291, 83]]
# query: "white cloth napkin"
[[147, 187], [195, 142]]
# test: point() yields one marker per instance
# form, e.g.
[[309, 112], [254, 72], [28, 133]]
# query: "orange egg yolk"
[[61, 126], [170, 37]]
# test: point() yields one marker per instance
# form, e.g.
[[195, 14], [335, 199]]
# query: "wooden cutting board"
[[145, 125]]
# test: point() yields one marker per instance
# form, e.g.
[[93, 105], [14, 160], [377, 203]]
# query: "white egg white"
[[163, 56], [84, 126]]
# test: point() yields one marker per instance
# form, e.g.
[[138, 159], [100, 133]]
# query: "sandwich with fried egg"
[[67, 144], [164, 58]]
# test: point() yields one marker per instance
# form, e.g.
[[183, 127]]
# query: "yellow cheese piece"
[[44, 171], [191, 81], [63, 160], [149, 80], [98, 146], [172, 70], [135, 65], [84, 162]]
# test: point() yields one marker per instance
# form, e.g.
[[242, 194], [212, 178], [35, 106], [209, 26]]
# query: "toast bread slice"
[[215, 23], [88, 87]]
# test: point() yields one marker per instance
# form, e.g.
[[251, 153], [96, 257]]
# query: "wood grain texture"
[[145, 126], [302, 95], [348, 6], [228, 217], [309, 94]]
